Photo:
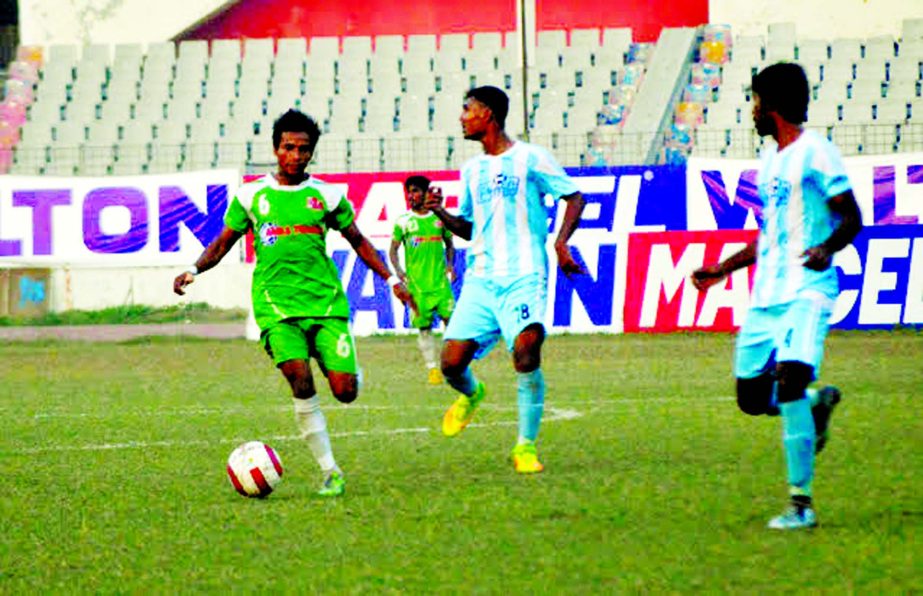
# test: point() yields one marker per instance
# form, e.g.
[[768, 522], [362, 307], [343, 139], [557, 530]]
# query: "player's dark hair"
[[493, 98], [421, 182], [783, 88], [295, 121]]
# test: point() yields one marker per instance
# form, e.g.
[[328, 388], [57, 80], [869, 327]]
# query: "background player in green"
[[429, 256], [298, 300]]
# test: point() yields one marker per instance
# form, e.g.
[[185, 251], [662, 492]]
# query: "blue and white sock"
[[464, 383], [798, 442], [531, 398]]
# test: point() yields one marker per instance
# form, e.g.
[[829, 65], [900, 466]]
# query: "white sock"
[[313, 428], [427, 347]]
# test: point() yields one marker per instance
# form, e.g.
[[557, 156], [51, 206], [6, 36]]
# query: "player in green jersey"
[[298, 300], [429, 256]]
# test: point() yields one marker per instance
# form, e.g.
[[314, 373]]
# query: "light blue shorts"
[[783, 333], [489, 308]]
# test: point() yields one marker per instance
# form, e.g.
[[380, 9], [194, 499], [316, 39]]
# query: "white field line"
[[552, 415], [597, 404]]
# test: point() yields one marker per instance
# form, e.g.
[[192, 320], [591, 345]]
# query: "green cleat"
[[461, 412], [334, 485]]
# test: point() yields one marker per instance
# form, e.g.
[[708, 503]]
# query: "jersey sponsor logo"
[[501, 185], [778, 191], [415, 242], [269, 232]]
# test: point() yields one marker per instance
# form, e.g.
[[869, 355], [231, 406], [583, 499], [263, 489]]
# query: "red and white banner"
[[659, 295]]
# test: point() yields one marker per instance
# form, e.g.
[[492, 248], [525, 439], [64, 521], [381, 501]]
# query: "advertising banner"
[[881, 281], [119, 221], [722, 192]]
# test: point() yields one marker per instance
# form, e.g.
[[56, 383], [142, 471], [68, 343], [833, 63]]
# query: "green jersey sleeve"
[[236, 217], [398, 235], [341, 216]]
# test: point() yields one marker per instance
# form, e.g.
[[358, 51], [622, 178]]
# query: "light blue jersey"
[[503, 197], [794, 186]]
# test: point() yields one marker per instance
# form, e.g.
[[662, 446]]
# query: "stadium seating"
[[393, 101], [863, 93], [195, 104]]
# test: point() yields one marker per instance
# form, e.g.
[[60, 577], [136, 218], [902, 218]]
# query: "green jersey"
[[423, 238], [294, 276]]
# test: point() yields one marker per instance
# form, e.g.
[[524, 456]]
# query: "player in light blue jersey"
[[503, 213], [809, 213]]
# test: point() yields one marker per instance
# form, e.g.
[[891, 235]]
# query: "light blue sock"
[[798, 441], [531, 391], [464, 383]]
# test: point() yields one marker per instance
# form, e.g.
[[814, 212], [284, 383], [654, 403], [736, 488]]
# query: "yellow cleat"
[[525, 459], [462, 411], [435, 377]]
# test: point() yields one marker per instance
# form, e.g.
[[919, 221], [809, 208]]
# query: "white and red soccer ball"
[[254, 469]]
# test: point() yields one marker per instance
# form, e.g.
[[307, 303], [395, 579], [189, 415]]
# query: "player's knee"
[[299, 379], [526, 361], [346, 397], [794, 378], [527, 350], [452, 368], [754, 396], [345, 389]]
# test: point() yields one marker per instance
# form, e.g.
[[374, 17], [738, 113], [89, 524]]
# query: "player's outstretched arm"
[[369, 256], [396, 261], [210, 257], [449, 257], [566, 262], [705, 277], [843, 205], [457, 225]]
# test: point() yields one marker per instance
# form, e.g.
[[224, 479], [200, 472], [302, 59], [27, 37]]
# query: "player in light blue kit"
[[503, 213], [809, 213]]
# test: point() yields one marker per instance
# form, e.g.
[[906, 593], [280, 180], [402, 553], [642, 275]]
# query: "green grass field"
[[113, 475]]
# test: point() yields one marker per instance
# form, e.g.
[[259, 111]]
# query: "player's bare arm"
[[449, 257], [396, 261], [566, 262], [844, 205], [210, 257], [457, 225], [369, 256], [705, 277]]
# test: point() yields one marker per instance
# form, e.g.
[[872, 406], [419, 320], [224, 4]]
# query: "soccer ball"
[[254, 469]]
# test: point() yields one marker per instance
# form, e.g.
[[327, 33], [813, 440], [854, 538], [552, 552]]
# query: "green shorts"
[[441, 302], [326, 339]]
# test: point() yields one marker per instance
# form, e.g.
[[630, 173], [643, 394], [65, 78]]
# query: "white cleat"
[[794, 518]]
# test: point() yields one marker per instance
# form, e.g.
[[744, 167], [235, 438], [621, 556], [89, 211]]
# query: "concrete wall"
[[818, 19], [91, 288], [44, 22], [142, 21]]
